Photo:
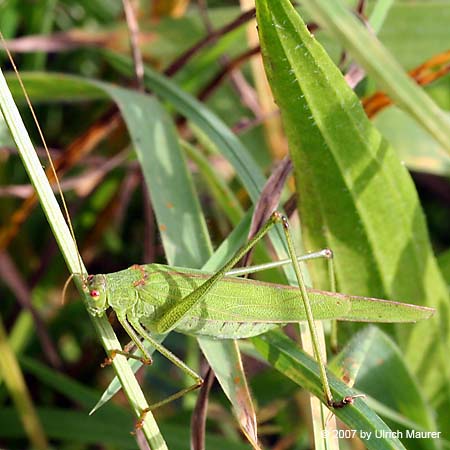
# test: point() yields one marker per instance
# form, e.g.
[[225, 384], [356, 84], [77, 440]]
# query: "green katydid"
[[156, 298]]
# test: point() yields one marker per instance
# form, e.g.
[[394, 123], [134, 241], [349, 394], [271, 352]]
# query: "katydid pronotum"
[[157, 298]]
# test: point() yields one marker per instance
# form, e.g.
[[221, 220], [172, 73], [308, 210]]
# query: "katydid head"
[[96, 298]]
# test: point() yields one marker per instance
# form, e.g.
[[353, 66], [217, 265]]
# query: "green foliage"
[[354, 196]]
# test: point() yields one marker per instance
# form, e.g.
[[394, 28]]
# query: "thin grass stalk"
[[70, 253]]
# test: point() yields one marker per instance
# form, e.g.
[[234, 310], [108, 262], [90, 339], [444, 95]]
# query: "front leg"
[[198, 380], [145, 359]]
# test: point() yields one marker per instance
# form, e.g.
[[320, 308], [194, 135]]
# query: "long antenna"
[[44, 143]]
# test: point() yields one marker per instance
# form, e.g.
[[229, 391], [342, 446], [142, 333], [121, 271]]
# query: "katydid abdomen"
[[236, 308]]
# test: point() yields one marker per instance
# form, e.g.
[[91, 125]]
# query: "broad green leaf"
[[356, 197]]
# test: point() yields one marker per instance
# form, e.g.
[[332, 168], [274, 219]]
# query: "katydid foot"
[[112, 354], [347, 400], [198, 383]]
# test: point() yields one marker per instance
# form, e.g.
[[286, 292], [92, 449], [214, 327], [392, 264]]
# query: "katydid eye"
[[95, 294]]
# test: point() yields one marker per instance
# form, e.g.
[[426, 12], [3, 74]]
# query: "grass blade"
[[285, 356], [379, 13], [379, 64], [219, 189]]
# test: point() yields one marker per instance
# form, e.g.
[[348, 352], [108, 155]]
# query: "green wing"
[[240, 307]]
